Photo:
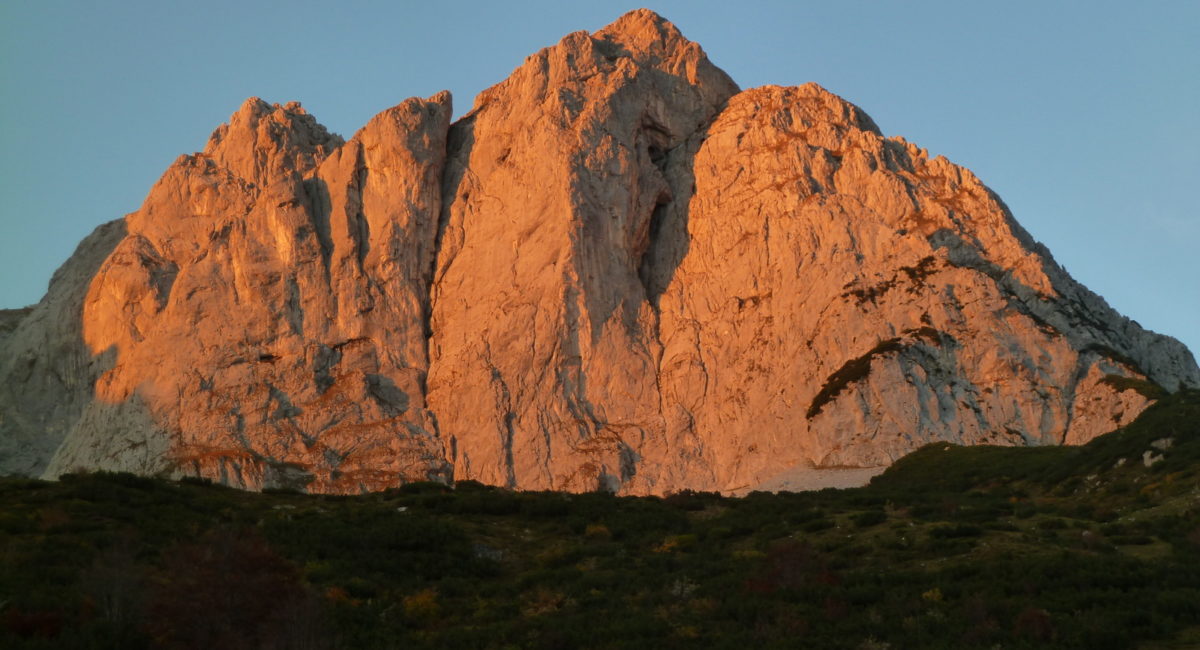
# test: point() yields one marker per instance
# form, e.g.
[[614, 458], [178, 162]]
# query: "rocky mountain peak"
[[263, 142], [644, 24], [645, 35], [617, 271], [584, 65]]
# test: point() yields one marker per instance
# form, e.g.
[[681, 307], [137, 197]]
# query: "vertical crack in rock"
[[319, 209], [667, 238], [362, 229], [460, 140], [293, 307]]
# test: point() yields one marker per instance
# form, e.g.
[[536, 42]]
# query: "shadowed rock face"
[[617, 271], [46, 371]]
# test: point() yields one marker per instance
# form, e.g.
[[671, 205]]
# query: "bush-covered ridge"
[[1089, 547]]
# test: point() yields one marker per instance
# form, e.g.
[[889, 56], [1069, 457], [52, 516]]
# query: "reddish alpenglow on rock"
[[617, 271]]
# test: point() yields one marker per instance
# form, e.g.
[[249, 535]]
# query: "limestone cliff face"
[[844, 298], [544, 346], [267, 308], [616, 271]]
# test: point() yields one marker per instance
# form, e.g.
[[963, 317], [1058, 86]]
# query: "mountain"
[[617, 271]]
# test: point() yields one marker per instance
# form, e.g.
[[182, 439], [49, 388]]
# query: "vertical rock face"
[[544, 345], [617, 271], [266, 309]]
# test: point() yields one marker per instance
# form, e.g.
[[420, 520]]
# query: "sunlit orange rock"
[[544, 344], [844, 299], [617, 271], [268, 306]]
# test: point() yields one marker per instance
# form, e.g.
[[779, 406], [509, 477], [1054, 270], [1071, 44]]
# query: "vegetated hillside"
[[1089, 547]]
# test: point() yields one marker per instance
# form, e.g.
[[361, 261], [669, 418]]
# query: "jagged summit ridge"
[[265, 142], [618, 270]]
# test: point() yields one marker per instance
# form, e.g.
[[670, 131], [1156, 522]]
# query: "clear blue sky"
[[1084, 116]]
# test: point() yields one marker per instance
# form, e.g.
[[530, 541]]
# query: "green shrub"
[[1144, 387], [956, 530], [817, 525], [869, 518]]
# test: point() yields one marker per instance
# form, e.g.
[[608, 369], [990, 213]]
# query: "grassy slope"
[[952, 547]]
